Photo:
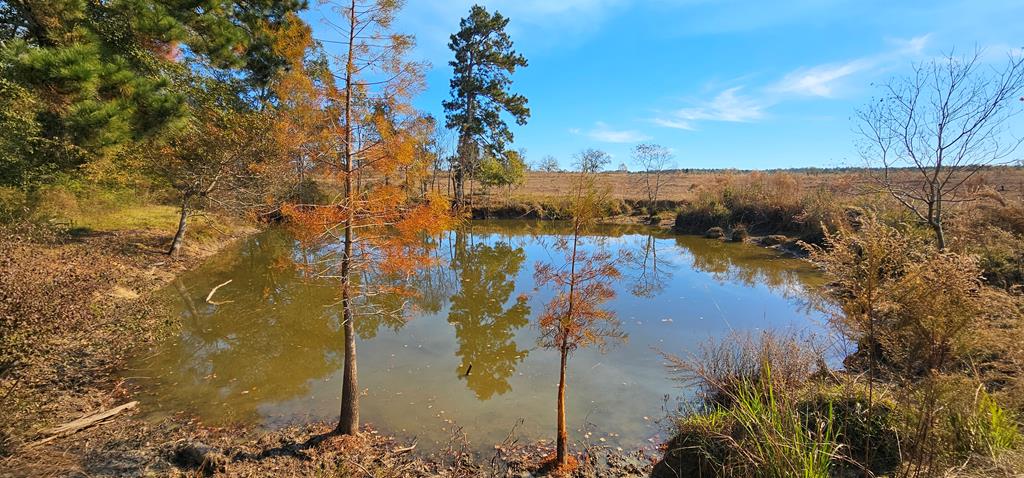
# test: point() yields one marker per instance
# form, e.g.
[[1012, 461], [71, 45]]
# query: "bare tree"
[[944, 123], [591, 160], [653, 160], [548, 164]]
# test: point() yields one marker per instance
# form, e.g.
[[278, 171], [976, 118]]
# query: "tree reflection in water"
[[484, 320], [265, 354], [273, 327]]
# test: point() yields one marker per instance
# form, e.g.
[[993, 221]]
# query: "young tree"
[[484, 60], [379, 224], [506, 171], [215, 157], [591, 160], [945, 123], [653, 160], [575, 317]]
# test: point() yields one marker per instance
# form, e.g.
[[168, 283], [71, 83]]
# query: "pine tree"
[[484, 60], [101, 70]]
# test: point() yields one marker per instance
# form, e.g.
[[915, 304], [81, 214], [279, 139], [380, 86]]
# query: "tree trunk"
[[179, 237], [562, 448], [348, 422], [459, 179]]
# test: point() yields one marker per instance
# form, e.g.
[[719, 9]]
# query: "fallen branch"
[[84, 422], [407, 449], [214, 291]]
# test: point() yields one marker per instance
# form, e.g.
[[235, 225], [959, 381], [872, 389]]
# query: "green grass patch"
[[149, 216]]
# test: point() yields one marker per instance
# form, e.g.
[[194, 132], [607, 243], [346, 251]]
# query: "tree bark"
[[562, 448], [348, 423], [179, 236], [459, 176]]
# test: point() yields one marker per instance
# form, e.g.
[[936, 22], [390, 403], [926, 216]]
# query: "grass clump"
[[750, 418], [760, 434]]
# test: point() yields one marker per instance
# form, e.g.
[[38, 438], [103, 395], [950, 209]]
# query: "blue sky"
[[723, 83]]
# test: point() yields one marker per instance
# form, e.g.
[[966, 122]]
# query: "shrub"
[[867, 431], [983, 427], [698, 217], [759, 435], [14, 205], [739, 233], [723, 366]]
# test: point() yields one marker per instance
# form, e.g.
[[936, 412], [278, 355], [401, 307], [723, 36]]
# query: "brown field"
[[682, 187]]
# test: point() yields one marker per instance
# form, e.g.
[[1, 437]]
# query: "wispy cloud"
[[728, 106], [603, 133], [826, 80], [820, 81]]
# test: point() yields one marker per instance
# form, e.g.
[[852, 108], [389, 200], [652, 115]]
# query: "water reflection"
[[272, 333], [484, 317], [271, 351]]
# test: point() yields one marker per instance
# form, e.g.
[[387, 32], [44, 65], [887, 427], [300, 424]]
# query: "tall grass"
[[985, 427], [779, 442]]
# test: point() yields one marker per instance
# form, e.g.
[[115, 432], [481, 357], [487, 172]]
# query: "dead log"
[[84, 422]]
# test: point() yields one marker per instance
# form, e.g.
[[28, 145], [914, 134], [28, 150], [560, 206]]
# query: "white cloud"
[[912, 46], [821, 80], [728, 106], [605, 134], [826, 80]]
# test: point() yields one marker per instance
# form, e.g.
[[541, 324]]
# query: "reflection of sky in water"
[[273, 354]]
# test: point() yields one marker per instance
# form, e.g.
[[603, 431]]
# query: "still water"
[[270, 351]]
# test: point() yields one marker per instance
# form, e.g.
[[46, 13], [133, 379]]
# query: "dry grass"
[[684, 187]]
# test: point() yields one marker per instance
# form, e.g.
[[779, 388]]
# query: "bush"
[[14, 205], [739, 233], [868, 432], [699, 217], [759, 435], [724, 366]]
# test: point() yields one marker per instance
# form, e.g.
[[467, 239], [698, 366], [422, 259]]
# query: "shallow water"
[[271, 352]]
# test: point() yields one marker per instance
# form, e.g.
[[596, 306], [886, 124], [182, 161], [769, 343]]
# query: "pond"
[[268, 349]]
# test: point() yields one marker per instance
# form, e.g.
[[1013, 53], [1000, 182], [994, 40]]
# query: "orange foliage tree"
[[303, 126], [575, 317], [378, 224]]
